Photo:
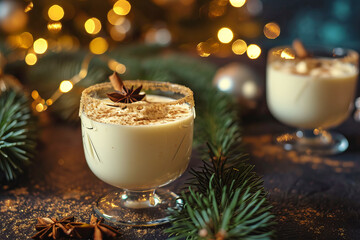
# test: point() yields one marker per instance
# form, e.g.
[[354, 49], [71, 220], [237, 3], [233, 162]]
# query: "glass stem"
[[308, 133], [140, 199]]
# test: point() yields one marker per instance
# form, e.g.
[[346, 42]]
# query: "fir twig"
[[234, 213], [17, 133]]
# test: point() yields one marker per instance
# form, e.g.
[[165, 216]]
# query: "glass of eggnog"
[[312, 90], [137, 140]]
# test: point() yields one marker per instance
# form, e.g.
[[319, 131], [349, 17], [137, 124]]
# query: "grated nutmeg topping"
[[323, 68], [95, 105]]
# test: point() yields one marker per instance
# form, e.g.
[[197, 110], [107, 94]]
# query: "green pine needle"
[[17, 134], [238, 214]]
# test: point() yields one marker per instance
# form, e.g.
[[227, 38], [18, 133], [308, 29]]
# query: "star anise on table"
[[50, 228], [96, 230], [123, 94]]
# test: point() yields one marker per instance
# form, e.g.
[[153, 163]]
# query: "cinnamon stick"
[[299, 49], [116, 82]]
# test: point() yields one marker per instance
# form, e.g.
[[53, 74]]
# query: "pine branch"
[[17, 134], [223, 174], [232, 214]]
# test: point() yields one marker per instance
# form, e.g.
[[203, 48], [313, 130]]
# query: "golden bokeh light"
[[121, 68], [287, 53], [116, 66], [237, 3], [56, 12], [202, 49], [65, 86], [40, 46], [112, 64], [25, 40], [83, 73], [271, 30], [35, 94], [114, 19], [40, 107], [225, 35], [98, 45], [54, 26], [239, 47], [92, 25], [253, 51], [316, 131], [49, 102], [29, 7], [204, 54], [207, 48], [122, 7], [30, 59], [117, 33]]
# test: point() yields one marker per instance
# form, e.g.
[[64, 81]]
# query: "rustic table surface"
[[313, 197]]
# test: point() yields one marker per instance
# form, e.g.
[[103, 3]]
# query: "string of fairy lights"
[[119, 26], [40, 104]]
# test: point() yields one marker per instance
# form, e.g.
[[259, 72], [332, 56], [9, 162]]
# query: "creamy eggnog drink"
[[311, 98], [311, 92], [138, 153], [140, 144]]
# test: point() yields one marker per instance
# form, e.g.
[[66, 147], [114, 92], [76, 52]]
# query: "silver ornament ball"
[[241, 82]]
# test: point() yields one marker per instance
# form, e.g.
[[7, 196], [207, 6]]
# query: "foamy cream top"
[[320, 67], [153, 109]]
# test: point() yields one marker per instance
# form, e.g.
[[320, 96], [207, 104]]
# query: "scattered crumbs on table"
[[262, 146], [341, 232]]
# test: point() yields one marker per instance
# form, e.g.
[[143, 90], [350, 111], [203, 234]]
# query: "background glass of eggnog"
[[313, 94], [138, 147]]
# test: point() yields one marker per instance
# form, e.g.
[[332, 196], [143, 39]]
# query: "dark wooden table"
[[313, 197]]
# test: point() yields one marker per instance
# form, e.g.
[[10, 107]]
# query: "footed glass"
[[313, 94], [138, 148]]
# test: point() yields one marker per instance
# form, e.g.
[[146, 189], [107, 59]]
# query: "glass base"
[[315, 142], [137, 208]]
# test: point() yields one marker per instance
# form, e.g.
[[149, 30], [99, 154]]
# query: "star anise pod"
[[96, 230], [123, 94], [50, 228]]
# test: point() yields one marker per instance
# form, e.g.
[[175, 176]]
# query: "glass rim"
[[88, 95], [331, 53]]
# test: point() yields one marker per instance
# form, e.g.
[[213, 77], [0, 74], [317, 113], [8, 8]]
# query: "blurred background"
[[220, 28], [233, 34]]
